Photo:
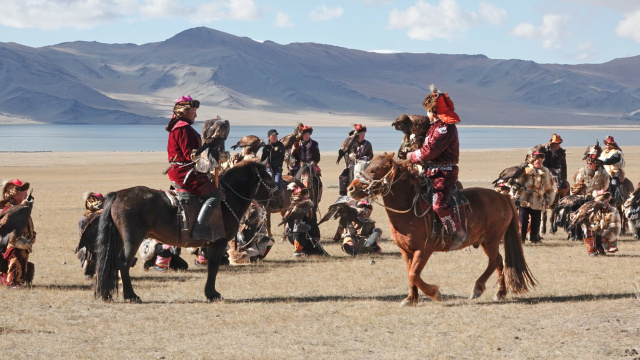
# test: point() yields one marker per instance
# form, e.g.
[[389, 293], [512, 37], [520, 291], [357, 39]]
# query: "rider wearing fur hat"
[[15, 268], [439, 157], [305, 150], [184, 140], [534, 188], [360, 151], [613, 160]]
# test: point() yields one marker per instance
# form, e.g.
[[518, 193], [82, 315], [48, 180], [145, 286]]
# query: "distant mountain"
[[94, 83]]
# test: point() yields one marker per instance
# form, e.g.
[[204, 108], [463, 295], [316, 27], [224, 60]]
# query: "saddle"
[[187, 208], [457, 201]]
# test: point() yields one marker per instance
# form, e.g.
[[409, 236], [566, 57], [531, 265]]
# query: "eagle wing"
[[581, 216], [510, 174], [250, 142], [346, 145], [297, 211], [15, 218]]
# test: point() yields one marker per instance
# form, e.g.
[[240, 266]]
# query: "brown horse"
[[133, 214], [490, 218]]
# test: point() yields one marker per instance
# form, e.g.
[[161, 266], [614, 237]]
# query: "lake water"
[[66, 138]]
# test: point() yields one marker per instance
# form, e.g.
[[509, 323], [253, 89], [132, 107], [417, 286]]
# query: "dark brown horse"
[[490, 218], [133, 214]]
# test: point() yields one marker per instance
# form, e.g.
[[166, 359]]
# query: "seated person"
[[161, 257], [362, 238], [252, 243]]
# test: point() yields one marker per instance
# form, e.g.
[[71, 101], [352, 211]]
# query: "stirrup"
[[459, 239]]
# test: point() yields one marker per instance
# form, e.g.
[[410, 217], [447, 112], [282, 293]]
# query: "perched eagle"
[[347, 144], [565, 207], [298, 211], [214, 134], [414, 128], [581, 217], [290, 139], [250, 144], [510, 174], [592, 150], [344, 212], [16, 218]]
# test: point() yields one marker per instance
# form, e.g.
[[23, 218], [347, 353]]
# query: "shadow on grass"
[[546, 299]]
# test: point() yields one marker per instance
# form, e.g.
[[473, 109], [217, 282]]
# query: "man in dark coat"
[[556, 161], [274, 153]]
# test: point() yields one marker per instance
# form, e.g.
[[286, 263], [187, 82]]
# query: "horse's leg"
[[131, 244], [492, 250], [420, 258], [412, 298], [269, 224], [215, 252]]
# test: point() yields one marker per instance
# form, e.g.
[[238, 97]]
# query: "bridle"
[[261, 182], [382, 187]]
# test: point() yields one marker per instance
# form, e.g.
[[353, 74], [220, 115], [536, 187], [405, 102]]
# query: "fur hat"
[[12, 187], [602, 195], [92, 201], [609, 140], [440, 104], [306, 129], [555, 139], [536, 155], [365, 204], [359, 128]]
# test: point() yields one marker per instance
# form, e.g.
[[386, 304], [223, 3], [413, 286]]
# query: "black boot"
[[202, 229]]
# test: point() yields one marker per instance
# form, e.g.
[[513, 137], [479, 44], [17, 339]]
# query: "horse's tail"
[[517, 276], [107, 252]]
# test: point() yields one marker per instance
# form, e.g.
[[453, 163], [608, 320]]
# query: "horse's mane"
[[414, 173]]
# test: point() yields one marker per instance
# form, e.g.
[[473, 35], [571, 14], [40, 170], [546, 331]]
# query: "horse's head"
[[375, 178], [267, 188]]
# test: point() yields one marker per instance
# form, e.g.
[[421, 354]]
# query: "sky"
[[544, 31]]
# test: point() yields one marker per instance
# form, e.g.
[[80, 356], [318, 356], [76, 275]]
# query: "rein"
[[255, 192], [385, 183]]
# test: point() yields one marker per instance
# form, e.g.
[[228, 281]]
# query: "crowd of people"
[[540, 183]]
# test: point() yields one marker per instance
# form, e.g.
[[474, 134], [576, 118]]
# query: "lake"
[[66, 138]]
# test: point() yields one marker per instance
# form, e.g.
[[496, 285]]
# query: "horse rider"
[[534, 188], [632, 211], [274, 153], [604, 227], [15, 268], [593, 175], [439, 156], [305, 150], [184, 140], [362, 239], [556, 161], [361, 152], [613, 160]]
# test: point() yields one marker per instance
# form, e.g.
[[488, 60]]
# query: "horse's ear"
[[391, 155]]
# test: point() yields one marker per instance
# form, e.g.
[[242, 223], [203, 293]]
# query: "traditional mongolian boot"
[[202, 229], [590, 242]]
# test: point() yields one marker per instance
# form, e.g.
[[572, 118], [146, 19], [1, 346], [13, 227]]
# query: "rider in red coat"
[[439, 157], [183, 141]]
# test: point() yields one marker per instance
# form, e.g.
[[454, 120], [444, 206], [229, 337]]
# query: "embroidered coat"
[[183, 139], [363, 150], [613, 161], [535, 187], [594, 180]]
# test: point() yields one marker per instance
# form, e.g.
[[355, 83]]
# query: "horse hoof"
[[134, 300], [437, 297], [475, 295], [498, 297], [407, 303]]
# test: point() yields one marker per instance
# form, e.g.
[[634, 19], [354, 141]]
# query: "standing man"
[[613, 160], [439, 158], [274, 153], [556, 161], [534, 188], [360, 153]]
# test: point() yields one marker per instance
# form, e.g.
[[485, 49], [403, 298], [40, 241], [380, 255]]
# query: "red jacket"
[[441, 145], [182, 140]]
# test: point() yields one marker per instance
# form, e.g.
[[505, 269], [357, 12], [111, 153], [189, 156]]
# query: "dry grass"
[[322, 308]]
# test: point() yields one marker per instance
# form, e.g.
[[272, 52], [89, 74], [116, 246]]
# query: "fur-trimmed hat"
[[306, 129], [12, 187], [602, 195], [92, 201], [609, 140], [537, 155], [440, 104], [365, 204], [359, 128], [555, 139]]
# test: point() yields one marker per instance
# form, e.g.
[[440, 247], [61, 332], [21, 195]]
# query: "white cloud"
[[629, 27], [83, 14], [283, 20], [551, 33], [376, 2], [426, 22], [55, 14], [494, 14], [323, 13], [584, 51]]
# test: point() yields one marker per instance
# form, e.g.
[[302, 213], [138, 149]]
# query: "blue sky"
[[554, 31]]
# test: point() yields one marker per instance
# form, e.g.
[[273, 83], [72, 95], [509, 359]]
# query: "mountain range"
[[97, 83]]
